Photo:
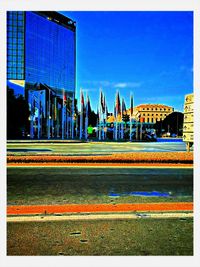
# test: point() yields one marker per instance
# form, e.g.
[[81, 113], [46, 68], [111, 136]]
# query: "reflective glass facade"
[[52, 50], [15, 45], [41, 51]]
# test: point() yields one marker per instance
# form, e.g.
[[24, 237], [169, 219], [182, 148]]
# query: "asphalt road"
[[61, 185], [113, 236], [92, 148]]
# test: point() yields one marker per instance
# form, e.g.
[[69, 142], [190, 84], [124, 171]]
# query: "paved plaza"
[[92, 148]]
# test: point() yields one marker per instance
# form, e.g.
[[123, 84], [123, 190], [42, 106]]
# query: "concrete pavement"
[[93, 148]]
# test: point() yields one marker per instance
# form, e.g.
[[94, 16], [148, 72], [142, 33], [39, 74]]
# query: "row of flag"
[[67, 105], [119, 108], [102, 113]]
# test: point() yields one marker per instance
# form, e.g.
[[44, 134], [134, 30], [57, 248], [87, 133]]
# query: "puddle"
[[141, 194], [150, 194]]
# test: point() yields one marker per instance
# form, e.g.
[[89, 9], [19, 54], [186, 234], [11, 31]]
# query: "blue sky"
[[148, 53]]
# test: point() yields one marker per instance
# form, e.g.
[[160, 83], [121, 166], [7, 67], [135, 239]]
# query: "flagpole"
[[48, 133], [122, 128], [131, 104], [31, 115], [72, 118], [41, 114], [102, 124], [55, 117], [99, 128], [62, 116], [52, 119], [116, 118], [38, 115], [120, 125], [67, 124], [81, 114], [76, 132], [114, 114], [103, 133], [97, 121], [105, 121], [63, 120], [86, 117]]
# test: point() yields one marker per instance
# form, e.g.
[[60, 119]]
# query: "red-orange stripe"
[[70, 208]]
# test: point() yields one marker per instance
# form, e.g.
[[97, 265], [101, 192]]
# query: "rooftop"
[[152, 106], [58, 18]]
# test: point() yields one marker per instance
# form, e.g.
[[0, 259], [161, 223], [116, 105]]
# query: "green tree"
[[172, 123]]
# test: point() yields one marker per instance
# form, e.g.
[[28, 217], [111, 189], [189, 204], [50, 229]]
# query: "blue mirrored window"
[[15, 45], [52, 49]]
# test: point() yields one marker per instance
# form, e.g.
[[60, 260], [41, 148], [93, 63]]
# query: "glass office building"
[[15, 46], [41, 56]]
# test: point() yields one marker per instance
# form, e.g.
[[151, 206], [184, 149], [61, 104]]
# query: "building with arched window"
[[151, 113]]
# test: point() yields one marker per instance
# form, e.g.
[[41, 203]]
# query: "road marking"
[[95, 208], [100, 165], [98, 217]]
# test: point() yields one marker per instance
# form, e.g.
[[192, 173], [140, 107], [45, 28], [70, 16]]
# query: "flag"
[[86, 117], [114, 111], [123, 106], [131, 111], [64, 98], [102, 102], [82, 101], [89, 106], [118, 106]]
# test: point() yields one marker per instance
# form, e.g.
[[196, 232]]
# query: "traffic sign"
[[188, 122]]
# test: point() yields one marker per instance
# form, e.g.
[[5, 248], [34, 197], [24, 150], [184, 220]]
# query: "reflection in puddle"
[[141, 194]]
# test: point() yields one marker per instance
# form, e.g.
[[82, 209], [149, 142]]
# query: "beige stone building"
[[151, 113]]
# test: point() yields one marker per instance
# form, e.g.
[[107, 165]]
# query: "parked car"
[[150, 137], [166, 134]]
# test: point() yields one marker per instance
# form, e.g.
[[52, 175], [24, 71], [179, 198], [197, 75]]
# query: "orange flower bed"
[[146, 157], [70, 208], [86, 164], [141, 157]]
